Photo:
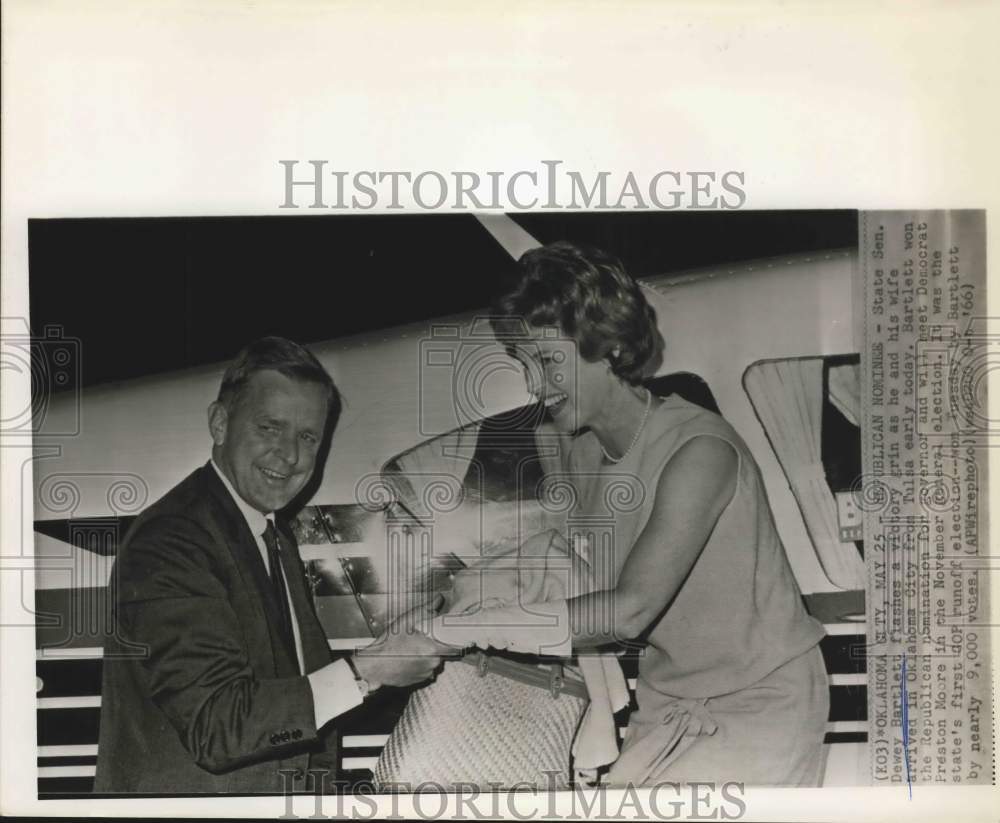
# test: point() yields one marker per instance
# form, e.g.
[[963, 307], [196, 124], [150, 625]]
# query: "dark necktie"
[[278, 585]]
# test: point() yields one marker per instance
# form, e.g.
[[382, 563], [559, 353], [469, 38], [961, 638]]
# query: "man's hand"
[[404, 654]]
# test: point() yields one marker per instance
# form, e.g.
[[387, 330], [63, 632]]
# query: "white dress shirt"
[[334, 687]]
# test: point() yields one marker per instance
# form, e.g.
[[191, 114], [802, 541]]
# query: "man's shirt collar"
[[255, 520]]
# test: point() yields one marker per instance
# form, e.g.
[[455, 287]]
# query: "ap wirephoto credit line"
[[927, 430]]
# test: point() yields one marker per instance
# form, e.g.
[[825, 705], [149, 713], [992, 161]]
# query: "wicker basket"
[[487, 721]]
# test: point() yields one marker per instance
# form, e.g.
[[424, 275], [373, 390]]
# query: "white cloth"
[[539, 576], [536, 628], [596, 741]]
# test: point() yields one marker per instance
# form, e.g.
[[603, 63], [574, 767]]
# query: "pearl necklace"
[[635, 437]]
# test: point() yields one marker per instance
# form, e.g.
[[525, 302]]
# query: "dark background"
[[148, 295]]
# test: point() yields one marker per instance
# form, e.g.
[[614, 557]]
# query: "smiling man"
[[220, 677]]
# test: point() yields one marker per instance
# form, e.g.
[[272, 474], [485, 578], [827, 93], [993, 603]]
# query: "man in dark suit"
[[220, 678]]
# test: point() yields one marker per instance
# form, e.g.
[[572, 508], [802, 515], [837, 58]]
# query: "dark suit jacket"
[[199, 693]]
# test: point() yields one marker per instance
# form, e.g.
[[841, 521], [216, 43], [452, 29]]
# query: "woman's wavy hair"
[[590, 297]]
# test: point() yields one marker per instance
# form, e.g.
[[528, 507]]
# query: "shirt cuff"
[[335, 691]]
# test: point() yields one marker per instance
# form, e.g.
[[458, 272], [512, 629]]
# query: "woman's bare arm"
[[694, 488]]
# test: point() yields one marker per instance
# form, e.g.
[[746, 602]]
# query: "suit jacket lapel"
[[315, 647], [246, 555]]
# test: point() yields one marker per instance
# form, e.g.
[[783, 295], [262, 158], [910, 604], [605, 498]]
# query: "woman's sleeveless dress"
[[731, 685]]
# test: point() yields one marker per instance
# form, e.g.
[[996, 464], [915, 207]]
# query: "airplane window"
[[477, 486], [491, 461], [809, 408], [841, 426]]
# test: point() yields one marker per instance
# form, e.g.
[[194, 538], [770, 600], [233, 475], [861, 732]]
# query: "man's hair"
[[285, 357], [588, 295]]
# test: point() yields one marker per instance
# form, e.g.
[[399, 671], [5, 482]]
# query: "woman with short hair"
[[731, 682]]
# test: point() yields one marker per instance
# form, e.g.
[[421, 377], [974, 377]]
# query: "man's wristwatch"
[[363, 685]]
